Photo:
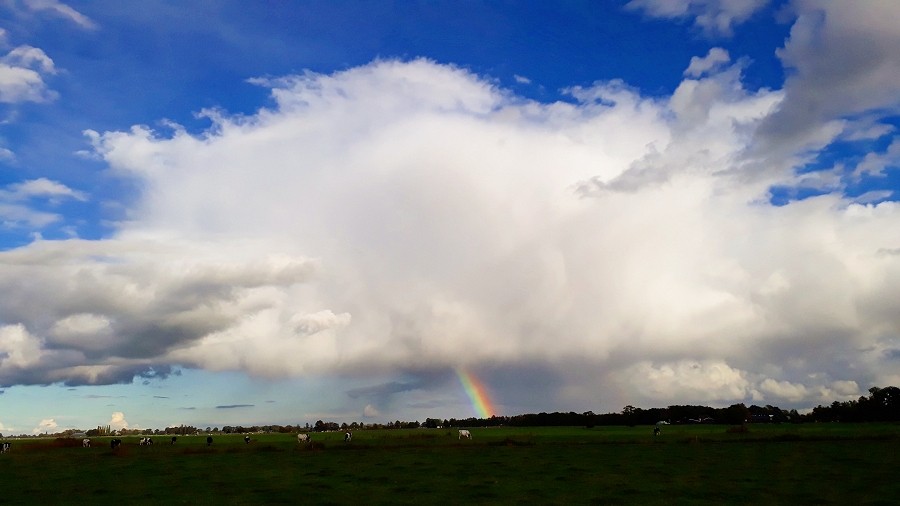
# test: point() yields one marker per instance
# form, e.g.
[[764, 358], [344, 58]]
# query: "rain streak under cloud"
[[412, 217]]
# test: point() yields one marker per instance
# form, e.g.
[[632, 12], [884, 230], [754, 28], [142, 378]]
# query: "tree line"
[[881, 405]]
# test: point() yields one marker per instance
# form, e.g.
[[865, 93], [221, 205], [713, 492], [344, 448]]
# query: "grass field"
[[769, 464]]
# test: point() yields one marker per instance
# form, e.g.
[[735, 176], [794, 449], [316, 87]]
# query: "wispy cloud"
[[62, 10], [713, 17]]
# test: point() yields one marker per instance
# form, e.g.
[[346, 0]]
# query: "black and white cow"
[[347, 437], [115, 443], [145, 441], [85, 443], [208, 440], [4, 447], [247, 439], [303, 438], [174, 438]]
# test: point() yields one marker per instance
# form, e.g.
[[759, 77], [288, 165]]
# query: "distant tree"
[[735, 414], [630, 414]]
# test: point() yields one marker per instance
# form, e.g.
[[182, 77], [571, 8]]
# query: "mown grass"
[[786, 464]]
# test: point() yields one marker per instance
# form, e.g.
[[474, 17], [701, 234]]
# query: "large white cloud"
[[410, 216]]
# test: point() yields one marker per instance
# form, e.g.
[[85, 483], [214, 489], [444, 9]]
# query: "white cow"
[[86, 443], [303, 438], [464, 434]]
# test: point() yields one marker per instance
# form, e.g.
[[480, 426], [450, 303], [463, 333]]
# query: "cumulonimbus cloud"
[[412, 216]]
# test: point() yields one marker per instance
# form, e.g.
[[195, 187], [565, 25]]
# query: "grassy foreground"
[[771, 464]]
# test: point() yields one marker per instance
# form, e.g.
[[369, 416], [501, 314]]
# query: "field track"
[[770, 464]]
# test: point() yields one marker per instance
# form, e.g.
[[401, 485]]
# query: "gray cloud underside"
[[410, 216]]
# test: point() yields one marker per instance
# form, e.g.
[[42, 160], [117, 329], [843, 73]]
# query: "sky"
[[226, 212]]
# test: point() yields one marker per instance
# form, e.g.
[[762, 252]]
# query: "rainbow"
[[477, 393]]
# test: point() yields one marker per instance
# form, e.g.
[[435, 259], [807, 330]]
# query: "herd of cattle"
[[146, 441]]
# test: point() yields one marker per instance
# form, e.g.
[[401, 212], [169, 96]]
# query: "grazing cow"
[[174, 438], [208, 440], [247, 439], [656, 430], [463, 433], [303, 438], [146, 441], [4, 447], [85, 443], [347, 437], [115, 443]]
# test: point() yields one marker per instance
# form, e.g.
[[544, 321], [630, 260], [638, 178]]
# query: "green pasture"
[[696, 464]]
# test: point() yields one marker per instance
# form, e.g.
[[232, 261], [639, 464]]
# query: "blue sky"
[[223, 212]]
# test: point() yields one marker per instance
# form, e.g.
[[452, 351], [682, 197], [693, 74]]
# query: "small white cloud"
[[16, 208], [117, 421], [700, 381], [874, 164], [784, 389], [41, 187], [845, 388], [521, 79], [47, 426], [20, 81], [370, 411], [30, 57], [712, 61]]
